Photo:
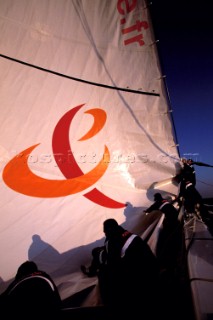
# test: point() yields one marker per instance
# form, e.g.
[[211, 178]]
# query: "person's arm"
[[154, 206], [202, 164]]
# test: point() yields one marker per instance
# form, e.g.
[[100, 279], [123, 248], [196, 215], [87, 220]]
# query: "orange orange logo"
[[18, 176]]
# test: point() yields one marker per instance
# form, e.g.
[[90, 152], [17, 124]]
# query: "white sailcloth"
[[85, 129]]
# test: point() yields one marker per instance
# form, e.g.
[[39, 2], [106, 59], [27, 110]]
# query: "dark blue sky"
[[185, 33]]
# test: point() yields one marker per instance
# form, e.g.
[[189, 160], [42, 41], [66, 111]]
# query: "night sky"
[[185, 33]]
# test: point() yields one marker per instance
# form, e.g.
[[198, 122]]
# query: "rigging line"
[[80, 80], [201, 279], [208, 184]]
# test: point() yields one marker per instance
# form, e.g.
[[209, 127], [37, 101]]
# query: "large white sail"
[[86, 131]]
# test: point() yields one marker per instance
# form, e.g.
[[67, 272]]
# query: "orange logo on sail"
[[18, 176]]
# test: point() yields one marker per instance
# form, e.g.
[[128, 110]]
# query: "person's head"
[[110, 227], [189, 161], [157, 196], [25, 269]]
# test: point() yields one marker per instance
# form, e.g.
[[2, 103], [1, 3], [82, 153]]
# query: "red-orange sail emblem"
[[18, 176]]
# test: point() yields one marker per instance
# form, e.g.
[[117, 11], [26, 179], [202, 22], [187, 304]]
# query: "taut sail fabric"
[[85, 130]]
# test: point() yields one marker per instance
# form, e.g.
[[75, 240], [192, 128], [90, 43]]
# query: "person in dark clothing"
[[128, 275], [98, 258], [188, 171], [32, 294], [170, 212], [193, 201], [191, 198], [170, 235]]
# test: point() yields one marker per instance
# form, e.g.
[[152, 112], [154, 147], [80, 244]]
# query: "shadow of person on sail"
[[38, 249]]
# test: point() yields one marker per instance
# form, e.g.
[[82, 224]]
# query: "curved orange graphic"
[[18, 176], [100, 119]]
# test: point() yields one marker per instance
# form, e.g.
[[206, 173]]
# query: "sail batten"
[[80, 80]]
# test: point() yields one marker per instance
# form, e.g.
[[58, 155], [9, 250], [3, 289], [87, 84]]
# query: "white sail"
[[85, 129]]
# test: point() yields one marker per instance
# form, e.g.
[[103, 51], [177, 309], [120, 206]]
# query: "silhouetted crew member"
[[171, 213], [192, 199], [32, 294], [128, 275], [188, 174], [188, 171], [98, 260], [170, 236]]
